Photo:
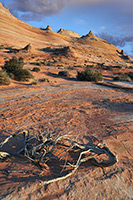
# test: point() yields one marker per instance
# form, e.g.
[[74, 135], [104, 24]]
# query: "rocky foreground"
[[83, 109]]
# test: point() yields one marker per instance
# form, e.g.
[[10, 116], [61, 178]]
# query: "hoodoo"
[[48, 28]]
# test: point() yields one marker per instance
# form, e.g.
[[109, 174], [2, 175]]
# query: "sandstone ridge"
[[48, 28], [68, 33], [17, 34]]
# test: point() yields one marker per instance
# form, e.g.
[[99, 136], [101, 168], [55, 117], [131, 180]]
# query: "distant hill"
[[16, 33]]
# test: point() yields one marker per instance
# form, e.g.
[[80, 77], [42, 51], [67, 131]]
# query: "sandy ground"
[[81, 108]]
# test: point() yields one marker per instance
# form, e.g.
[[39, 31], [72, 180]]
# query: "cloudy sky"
[[109, 19]]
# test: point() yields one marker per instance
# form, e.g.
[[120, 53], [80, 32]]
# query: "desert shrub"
[[36, 69], [89, 75], [23, 75], [122, 77], [21, 60], [1, 46], [4, 78], [13, 65], [14, 68], [64, 73], [11, 75]]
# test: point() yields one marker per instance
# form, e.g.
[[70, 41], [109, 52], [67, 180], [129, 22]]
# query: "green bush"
[[1, 46], [14, 68], [64, 73], [23, 75], [36, 69], [122, 77], [11, 75], [14, 65], [89, 75], [4, 78], [21, 60]]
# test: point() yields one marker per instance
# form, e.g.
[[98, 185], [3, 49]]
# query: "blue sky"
[[109, 19]]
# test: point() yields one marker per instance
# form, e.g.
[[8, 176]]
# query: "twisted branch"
[[43, 149]]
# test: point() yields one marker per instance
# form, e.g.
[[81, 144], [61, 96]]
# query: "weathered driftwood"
[[4, 155], [43, 149]]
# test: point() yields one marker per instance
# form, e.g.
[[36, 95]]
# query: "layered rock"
[[17, 34], [68, 33], [90, 35]]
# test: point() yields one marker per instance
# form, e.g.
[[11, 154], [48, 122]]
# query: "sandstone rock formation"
[[17, 34], [27, 48], [48, 28], [91, 36], [68, 33]]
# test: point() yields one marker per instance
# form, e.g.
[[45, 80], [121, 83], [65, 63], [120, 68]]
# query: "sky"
[[111, 20]]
